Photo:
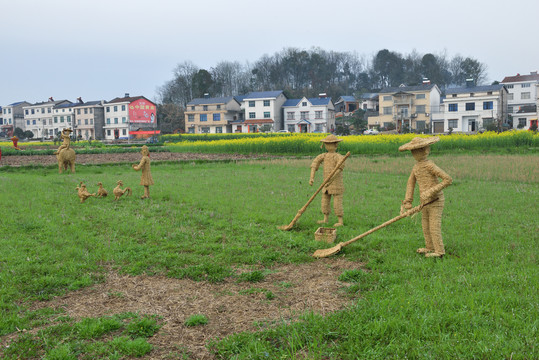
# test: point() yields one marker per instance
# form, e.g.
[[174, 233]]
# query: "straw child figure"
[[146, 176], [426, 174], [66, 140], [335, 187]]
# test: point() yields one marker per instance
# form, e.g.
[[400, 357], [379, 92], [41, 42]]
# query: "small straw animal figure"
[[83, 192], [101, 192], [118, 192]]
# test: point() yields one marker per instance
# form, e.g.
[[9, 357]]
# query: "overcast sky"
[[101, 49]]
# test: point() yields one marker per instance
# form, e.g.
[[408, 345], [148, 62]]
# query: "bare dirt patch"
[[230, 306], [18, 160]]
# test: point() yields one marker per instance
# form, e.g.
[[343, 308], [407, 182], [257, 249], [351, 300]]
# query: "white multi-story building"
[[12, 117], [522, 98], [262, 110], [126, 114], [38, 118], [309, 115], [474, 108], [89, 120]]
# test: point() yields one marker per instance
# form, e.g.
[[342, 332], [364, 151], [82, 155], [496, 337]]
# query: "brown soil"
[[16, 160], [229, 306]]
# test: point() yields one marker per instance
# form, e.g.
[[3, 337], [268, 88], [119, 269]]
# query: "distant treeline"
[[309, 72]]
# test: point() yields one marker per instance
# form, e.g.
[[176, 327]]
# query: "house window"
[[108, 110], [217, 117], [191, 130], [453, 123], [116, 120], [387, 97], [470, 106], [420, 96], [26, 111], [85, 111], [487, 105], [252, 115], [33, 122], [454, 95], [61, 119], [33, 111], [205, 129], [91, 121], [218, 129], [420, 125], [203, 117], [85, 121], [108, 132], [43, 110], [525, 85], [78, 111], [420, 109], [68, 118], [115, 108], [27, 122], [192, 108], [91, 111], [290, 116], [124, 132], [124, 119], [521, 123], [509, 86], [49, 110], [251, 104], [266, 103], [525, 95], [387, 110], [319, 128], [472, 94], [304, 103], [218, 107], [510, 96], [123, 107], [204, 107], [191, 117], [291, 128], [318, 114], [56, 119], [509, 109], [108, 121], [304, 115], [267, 114], [453, 107]]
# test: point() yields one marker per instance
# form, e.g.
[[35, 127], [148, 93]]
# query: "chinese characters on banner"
[[142, 111]]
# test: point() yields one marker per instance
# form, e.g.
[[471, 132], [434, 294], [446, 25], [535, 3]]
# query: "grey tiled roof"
[[263, 94], [216, 100], [406, 88], [474, 89]]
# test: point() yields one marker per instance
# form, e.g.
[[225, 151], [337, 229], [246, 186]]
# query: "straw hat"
[[331, 139], [418, 143]]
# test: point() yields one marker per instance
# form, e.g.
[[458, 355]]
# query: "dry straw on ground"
[[230, 306]]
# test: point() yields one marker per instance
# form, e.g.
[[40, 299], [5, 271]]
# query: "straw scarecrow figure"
[[335, 187], [146, 176], [426, 174]]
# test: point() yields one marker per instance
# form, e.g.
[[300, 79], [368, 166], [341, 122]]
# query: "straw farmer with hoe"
[[426, 174], [146, 176], [335, 187]]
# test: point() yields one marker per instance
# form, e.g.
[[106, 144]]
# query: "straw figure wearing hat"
[[426, 174], [335, 187], [66, 140], [146, 176]]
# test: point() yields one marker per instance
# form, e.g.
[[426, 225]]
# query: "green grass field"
[[205, 220]]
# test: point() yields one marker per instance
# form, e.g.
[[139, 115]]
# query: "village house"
[[38, 118], [473, 108], [522, 99], [263, 111], [12, 117], [89, 119], [129, 116], [212, 115], [407, 108], [308, 115]]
